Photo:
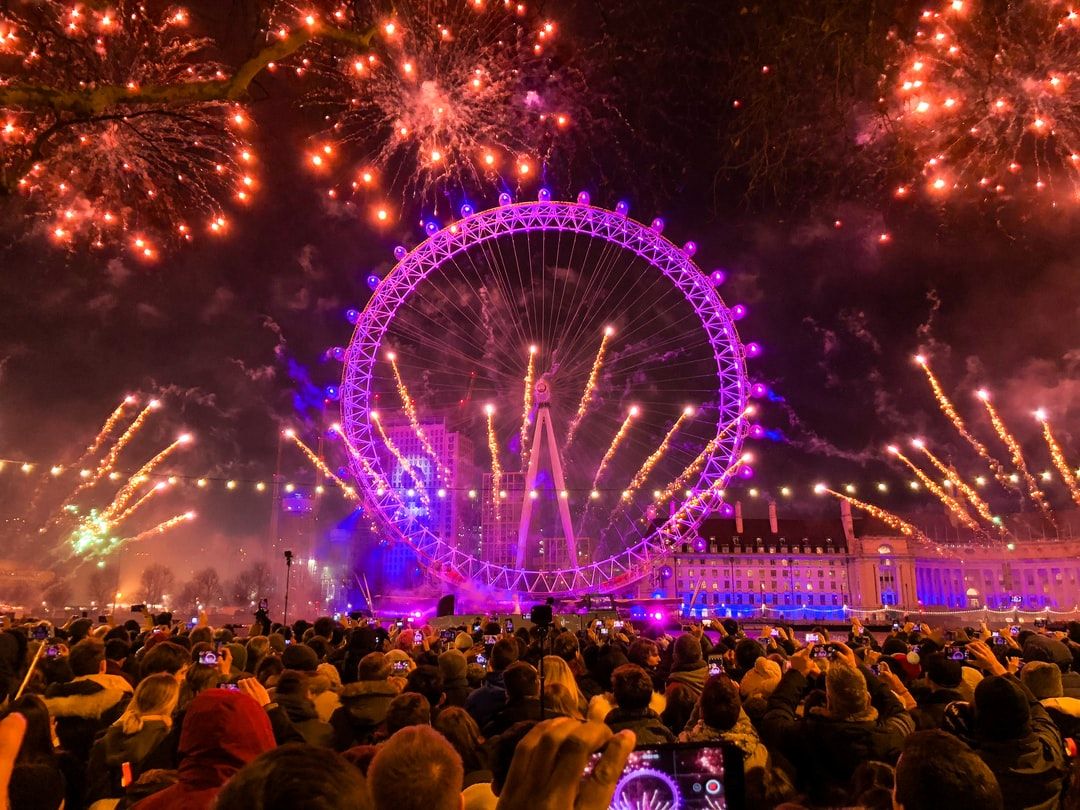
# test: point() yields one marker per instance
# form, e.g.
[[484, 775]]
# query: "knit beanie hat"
[[463, 642], [687, 650], [846, 692], [300, 657], [453, 665], [762, 679], [943, 671], [1001, 709], [1043, 679]]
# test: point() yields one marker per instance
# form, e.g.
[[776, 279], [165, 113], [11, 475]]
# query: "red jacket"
[[223, 731]]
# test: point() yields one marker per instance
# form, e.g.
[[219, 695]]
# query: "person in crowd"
[[861, 720], [558, 672], [486, 701], [1044, 681], [293, 694], [559, 701], [417, 769], [407, 709], [222, 732], [364, 703], [940, 687], [522, 683], [723, 720], [680, 701], [325, 687], [426, 680], [938, 770], [688, 667], [90, 702], [453, 666], [458, 727], [632, 689], [118, 757], [296, 775], [646, 654]]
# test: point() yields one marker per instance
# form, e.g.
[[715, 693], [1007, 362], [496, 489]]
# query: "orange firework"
[[161, 528], [885, 516], [142, 501], [319, 464], [409, 406], [1058, 456], [949, 410], [950, 502], [124, 495], [643, 473], [1016, 453], [106, 430], [624, 428], [590, 389], [950, 475], [695, 466], [496, 467], [380, 482], [526, 407], [404, 462]]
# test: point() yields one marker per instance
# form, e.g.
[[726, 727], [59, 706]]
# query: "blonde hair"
[[156, 696], [557, 671]]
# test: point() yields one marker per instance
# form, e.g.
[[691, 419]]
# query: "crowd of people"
[[353, 714]]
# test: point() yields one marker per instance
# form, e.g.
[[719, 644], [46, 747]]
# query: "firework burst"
[[454, 93], [884, 515], [406, 465], [527, 406], [981, 506], [988, 99], [937, 491], [590, 389], [99, 131], [1016, 453], [1058, 457]]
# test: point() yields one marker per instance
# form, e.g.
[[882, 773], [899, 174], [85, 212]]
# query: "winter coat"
[[1032, 769], [931, 707], [742, 735], [484, 703], [115, 748], [457, 692], [645, 723], [692, 675], [1070, 684], [826, 750], [223, 731], [1065, 712], [305, 719], [84, 707], [514, 712], [363, 710]]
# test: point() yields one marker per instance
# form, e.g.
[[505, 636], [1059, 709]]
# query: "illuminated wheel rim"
[[614, 228]]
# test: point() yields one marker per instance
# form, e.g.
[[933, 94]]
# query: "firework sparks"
[[124, 495], [406, 465], [106, 431], [694, 467], [527, 406], [590, 390], [885, 516], [620, 434], [948, 500], [643, 473], [961, 485], [409, 407], [142, 162], [496, 467], [319, 464], [951, 414], [1058, 456], [145, 498], [356, 454], [988, 97], [160, 529], [1016, 454], [466, 91]]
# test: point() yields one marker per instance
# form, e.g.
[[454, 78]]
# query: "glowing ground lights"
[[455, 336]]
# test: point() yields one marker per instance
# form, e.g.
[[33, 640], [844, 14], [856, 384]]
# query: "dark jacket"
[[457, 692], [363, 711], [305, 719], [514, 712], [1070, 684], [85, 707], [692, 675], [931, 707], [645, 723], [825, 750], [112, 750], [484, 703]]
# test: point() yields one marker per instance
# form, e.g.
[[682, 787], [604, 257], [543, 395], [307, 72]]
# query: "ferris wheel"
[[543, 396]]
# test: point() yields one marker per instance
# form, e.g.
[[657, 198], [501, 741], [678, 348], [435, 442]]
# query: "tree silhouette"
[[254, 583], [156, 581]]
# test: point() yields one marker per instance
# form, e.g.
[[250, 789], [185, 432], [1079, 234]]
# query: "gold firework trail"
[[1058, 456], [643, 473], [138, 504], [1017, 455], [695, 466], [418, 482], [961, 485], [124, 495], [527, 404], [319, 464], [950, 502], [106, 430], [885, 516], [620, 434], [590, 389], [496, 468], [409, 406]]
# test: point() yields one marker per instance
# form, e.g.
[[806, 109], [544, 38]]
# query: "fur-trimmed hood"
[[88, 696], [601, 705]]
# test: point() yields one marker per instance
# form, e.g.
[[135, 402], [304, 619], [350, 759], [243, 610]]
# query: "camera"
[[1014, 630], [208, 658], [481, 660], [418, 637], [895, 626], [264, 604], [812, 638], [541, 615], [400, 666]]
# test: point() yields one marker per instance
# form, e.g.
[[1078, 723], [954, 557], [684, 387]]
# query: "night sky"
[[233, 331]]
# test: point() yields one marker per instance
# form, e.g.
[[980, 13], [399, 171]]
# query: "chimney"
[[774, 526], [845, 519], [738, 517]]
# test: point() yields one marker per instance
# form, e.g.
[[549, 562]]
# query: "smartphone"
[[1039, 623], [619, 624], [41, 632], [337, 617], [714, 669], [448, 635], [764, 642], [481, 659], [998, 640], [52, 651], [102, 619], [895, 626], [400, 623], [288, 641], [400, 666], [194, 620], [476, 627], [264, 604], [821, 652], [876, 668], [232, 687], [812, 638], [687, 776], [418, 637], [208, 658], [1014, 630], [489, 641], [603, 631], [706, 622], [959, 654], [774, 633], [509, 625]]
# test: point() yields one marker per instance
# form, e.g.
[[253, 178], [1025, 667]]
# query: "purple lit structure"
[[480, 238]]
